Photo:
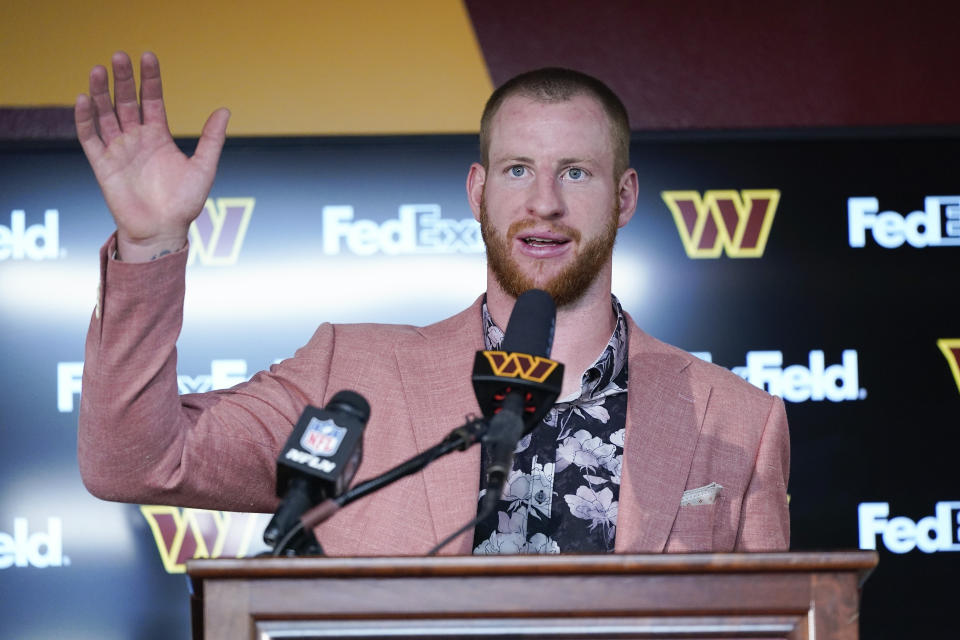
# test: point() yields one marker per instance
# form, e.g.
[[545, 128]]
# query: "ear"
[[476, 178], [628, 192]]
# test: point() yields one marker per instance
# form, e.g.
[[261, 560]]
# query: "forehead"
[[577, 127]]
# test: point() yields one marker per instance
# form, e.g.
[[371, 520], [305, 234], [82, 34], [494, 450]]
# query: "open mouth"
[[538, 241]]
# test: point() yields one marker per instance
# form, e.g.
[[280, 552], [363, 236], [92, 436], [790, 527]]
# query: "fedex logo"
[[223, 374], [417, 229], [217, 234], [69, 377], [735, 222], [38, 549], [938, 225], [901, 534], [39, 241], [799, 383], [814, 381]]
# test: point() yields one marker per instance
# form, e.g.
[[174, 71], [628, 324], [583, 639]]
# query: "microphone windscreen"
[[350, 403], [531, 324]]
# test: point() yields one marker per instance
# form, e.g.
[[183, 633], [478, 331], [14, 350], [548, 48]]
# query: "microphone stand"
[[460, 439], [506, 429]]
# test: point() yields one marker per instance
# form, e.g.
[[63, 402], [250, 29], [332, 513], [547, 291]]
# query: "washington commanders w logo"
[[520, 365], [217, 234], [737, 222], [182, 534], [951, 351]]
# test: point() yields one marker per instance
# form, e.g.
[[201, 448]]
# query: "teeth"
[[540, 241]]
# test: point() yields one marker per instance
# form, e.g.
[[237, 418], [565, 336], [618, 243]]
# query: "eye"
[[518, 171], [576, 174]]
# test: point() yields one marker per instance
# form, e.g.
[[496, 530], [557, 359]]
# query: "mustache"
[[556, 227]]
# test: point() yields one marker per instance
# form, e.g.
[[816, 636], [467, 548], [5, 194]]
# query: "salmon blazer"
[[705, 463]]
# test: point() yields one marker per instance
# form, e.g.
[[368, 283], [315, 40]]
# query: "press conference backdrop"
[[823, 269]]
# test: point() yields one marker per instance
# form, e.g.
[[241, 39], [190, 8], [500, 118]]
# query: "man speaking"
[[647, 449]]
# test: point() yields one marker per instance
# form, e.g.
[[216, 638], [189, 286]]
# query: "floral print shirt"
[[563, 492]]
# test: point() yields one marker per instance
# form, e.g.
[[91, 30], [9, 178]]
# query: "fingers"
[[105, 117], [151, 90], [112, 119], [86, 127], [211, 139], [125, 91]]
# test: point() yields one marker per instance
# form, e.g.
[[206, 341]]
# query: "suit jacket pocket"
[[693, 528]]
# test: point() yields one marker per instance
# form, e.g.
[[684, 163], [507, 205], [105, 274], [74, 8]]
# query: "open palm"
[[153, 190]]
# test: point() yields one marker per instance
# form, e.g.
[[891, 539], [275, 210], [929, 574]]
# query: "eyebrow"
[[515, 159], [575, 160], [528, 160]]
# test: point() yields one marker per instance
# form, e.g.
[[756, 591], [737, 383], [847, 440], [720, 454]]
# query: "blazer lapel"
[[435, 369], [664, 415]]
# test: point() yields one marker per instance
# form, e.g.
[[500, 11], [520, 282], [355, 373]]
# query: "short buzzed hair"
[[554, 84]]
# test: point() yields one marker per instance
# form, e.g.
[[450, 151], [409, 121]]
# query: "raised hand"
[[153, 190]]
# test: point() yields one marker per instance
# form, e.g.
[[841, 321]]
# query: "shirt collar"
[[598, 376]]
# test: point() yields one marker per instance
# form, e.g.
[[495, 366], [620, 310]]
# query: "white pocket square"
[[701, 495]]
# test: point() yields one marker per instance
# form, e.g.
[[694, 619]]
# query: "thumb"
[[212, 138]]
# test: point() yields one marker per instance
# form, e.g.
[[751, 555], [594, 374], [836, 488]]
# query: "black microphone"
[[522, 365], [517, 384], [319, 460]]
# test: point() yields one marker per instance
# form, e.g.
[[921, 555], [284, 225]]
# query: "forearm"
[[129, 407], [139, 440]]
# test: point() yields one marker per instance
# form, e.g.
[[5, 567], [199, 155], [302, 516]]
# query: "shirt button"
[[540, 497]]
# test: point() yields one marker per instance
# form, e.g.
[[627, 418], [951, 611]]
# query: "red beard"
[[568, 285]]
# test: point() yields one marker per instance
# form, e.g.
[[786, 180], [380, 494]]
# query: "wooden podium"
[[813, 596]]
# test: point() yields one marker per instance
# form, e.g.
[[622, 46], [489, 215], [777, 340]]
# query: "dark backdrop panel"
[[309, 230]]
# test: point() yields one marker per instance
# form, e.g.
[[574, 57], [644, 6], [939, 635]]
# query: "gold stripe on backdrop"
[[283, 67]]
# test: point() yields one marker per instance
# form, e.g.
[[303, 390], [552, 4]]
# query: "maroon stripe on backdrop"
[[37, 123], [751, 63]]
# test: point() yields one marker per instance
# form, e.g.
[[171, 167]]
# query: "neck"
[[583, 328]]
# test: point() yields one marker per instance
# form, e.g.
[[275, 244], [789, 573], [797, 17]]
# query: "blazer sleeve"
[[140, 441], [764, 516]]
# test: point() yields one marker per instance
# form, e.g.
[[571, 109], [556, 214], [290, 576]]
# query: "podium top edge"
[[862, 562]]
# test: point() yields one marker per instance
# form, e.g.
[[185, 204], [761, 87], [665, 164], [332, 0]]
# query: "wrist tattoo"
[[161, 254]]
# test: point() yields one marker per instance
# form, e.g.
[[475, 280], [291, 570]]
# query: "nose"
[[545, 199]]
